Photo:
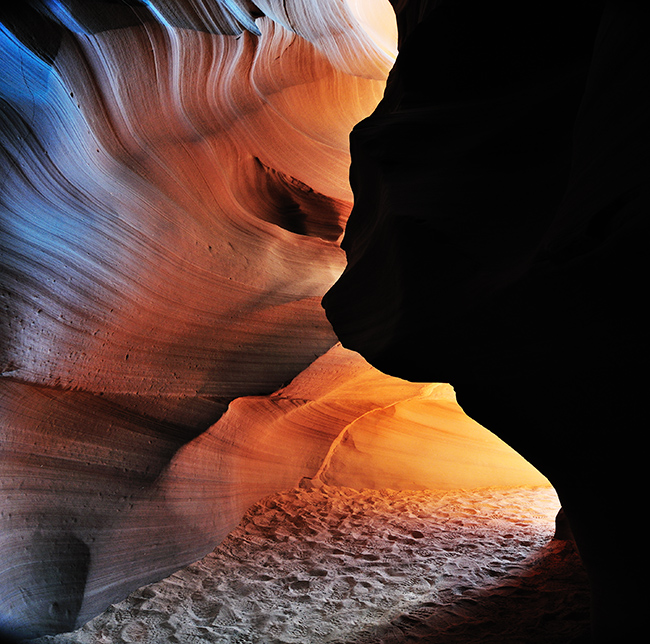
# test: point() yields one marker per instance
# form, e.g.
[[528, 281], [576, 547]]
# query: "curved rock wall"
[[162, 182], [174, 187], [340, 422]]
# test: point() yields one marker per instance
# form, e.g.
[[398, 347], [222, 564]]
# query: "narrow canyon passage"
[[249, 243]]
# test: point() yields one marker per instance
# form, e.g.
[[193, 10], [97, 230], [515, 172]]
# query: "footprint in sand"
[[264, 577], [135, 631], [209, 583], [204, 608], [301, 585], [318, 572]]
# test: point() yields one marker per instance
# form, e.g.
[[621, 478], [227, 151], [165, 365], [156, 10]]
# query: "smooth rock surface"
[[174, 188]]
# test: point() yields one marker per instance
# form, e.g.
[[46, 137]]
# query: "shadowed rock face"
[[504, 248]]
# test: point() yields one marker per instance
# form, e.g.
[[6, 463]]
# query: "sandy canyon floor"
[[338, 566]]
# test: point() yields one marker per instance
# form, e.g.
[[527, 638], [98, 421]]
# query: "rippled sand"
[[335, 565]]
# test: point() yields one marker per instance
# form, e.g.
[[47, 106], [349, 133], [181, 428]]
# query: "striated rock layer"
[[94, 520], [163, 182], [174, 188], [498, 242]]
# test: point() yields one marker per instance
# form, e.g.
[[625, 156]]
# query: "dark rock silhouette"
[[497, 242]]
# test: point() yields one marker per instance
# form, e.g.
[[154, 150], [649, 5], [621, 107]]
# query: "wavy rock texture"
[[174, 188], [173, 182], [129, 518]]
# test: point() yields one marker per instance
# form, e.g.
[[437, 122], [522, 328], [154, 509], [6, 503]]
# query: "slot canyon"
[[370, 267]]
